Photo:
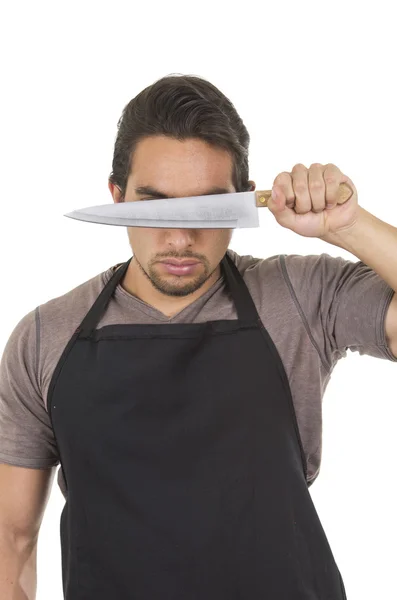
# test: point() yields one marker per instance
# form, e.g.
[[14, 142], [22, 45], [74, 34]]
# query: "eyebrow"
[[151, 191]]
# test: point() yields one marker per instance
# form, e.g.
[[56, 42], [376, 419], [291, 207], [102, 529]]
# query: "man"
[[163, 385]]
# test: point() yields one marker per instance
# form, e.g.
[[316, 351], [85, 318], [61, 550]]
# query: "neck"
[[137, 284]]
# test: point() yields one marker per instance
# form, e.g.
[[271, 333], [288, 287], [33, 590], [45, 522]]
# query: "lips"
[[180, 263], [177, 267]]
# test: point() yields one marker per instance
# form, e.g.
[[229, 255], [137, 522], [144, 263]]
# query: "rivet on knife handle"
[[262, 196]]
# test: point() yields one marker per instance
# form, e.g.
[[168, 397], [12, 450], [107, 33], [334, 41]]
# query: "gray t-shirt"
[[314, 307]]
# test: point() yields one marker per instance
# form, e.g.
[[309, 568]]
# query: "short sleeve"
[[344, 305], [26, 435]]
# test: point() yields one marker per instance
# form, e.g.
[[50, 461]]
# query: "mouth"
[[178, 267], [179, 263]]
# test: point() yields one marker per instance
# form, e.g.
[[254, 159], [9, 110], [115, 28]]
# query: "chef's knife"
[[223, 211]]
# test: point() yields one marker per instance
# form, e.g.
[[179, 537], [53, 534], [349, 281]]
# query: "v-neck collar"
[[155, 313]]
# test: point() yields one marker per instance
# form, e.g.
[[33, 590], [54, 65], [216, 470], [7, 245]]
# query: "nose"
[[180, 238]]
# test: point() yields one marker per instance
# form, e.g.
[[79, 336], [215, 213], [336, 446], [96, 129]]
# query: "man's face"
[[177, 169]]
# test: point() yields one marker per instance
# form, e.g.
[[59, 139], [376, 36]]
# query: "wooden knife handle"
[[345, 192]]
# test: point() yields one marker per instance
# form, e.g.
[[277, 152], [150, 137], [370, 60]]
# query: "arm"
[[374, 242], [24, 495]]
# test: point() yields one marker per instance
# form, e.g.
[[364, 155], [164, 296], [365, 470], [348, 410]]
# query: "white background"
[[313, 82]]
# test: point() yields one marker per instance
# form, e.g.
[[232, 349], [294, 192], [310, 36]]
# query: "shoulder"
[[251, 266], [70, 308]]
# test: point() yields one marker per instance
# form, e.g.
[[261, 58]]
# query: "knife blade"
[[223, 211]]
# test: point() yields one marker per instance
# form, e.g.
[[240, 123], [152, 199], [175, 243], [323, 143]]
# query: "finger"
[[283, 182], [317, 187], [332, 178], [303, 203]]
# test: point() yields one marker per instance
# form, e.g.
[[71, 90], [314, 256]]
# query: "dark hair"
[[181, 107]]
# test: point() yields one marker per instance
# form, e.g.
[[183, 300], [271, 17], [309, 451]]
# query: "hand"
[[307, 201]]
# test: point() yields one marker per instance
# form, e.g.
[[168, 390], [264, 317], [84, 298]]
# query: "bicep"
[[391, 325]]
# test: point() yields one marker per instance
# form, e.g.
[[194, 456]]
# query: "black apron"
[[184, 468]]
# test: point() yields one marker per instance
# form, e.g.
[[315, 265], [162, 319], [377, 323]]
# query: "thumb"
[[277, 204], [277, 201]]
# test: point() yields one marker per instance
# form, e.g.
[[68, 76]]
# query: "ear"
[[253, 185], [115, 191]]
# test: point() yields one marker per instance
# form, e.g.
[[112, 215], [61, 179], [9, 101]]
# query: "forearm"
[[18, 569]]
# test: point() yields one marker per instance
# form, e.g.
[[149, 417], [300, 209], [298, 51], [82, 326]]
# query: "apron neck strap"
[[245, 306]]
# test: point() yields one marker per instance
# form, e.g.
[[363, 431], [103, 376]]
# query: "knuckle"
[[281, 177], [316, 185]]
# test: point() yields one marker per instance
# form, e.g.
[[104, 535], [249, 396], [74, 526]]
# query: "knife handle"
[[262, 196]]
